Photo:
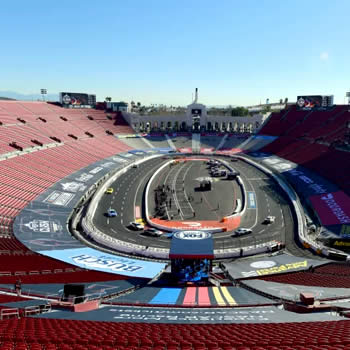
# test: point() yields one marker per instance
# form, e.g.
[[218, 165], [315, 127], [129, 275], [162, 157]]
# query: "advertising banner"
[[307, 183], [138, 152], [229, 151], [332, 208], [254, 267], [93, 259], [185, 150], [251, 200], [208, 150], [41, 226], [69, 191], [159, 150]]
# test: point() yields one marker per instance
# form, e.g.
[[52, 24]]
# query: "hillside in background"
[[6, 98], [30, 97]]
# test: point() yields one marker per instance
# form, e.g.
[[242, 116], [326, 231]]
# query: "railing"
[[8, 313]]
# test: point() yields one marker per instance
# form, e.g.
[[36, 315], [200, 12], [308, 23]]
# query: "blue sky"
[[158, 51]]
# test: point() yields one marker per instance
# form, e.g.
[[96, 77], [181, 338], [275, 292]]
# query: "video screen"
[[188, 270]]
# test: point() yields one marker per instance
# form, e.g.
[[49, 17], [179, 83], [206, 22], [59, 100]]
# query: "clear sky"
[[158, 51]]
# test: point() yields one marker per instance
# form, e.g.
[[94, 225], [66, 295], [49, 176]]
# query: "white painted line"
[[138, 188]]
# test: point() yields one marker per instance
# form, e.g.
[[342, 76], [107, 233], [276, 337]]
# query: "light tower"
[[43, 93], [348, 96]]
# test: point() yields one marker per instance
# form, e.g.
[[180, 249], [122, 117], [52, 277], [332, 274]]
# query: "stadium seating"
[[26, 175], [306, 278], [10, 245], [298, 123], [23, 122], [66, 274], [35, 333], [337, 269], [307, 138]]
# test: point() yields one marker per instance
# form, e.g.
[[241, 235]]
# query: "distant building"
[[118, 106], [193, 119]]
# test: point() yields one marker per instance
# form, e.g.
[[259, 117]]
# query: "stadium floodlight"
[[348, 96], [43, 93]]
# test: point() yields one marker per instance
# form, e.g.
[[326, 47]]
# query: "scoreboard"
[[77, 100], [314, 102]]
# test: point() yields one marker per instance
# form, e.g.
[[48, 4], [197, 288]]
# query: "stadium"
[[185, 231], [140, 212]]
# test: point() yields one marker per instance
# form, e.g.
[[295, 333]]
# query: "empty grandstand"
[[74, 276]]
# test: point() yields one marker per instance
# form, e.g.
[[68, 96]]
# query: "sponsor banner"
[[344, 231], [92, 259], [340, 244], [336, 232], [207, 150], [305, 181], [268, 265], [119, 160], [227, 224], [276, 163], [195, 315], [126, 155], [69, 191], [58, 198], [160, 150], [188, 225], [116, 313], [228, 151], [185, 150], [332, 208], [308, 183], [41, 226], [251, 200], [137, 152]]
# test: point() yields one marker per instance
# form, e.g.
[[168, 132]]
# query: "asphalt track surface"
[[186, 202], [269, 200]]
